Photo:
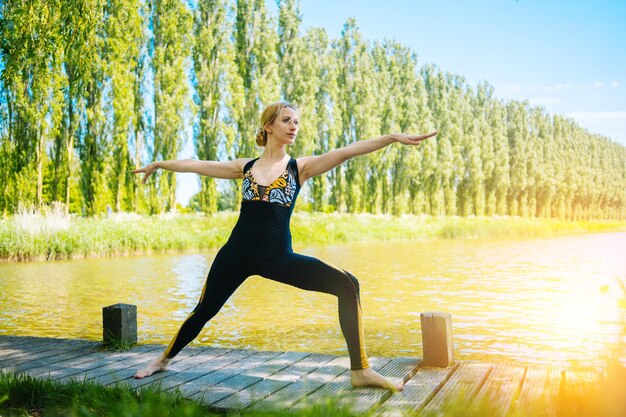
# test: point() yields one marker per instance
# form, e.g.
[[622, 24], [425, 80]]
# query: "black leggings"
[[230, 269]]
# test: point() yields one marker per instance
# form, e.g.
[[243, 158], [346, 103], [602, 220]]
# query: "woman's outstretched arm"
[[318, 164], [215, 169]]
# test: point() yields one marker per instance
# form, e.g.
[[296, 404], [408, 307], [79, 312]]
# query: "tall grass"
[[47, 220], [118, 234], [51, 234], [23, 395]]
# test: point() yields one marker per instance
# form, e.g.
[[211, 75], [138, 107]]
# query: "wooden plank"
[[246, 387], [298, 369], [578, 381], [500, 388], [275, 374], [86, 363], [462, 386], [363, 399], [71, 352], [201, 389], [126, 376], [11, 355], [417, 392], [10, 349], [35, 340], [122, 362], [35, 346], [200, 365], [188, 358], [286, 397], [539, 392], [10, 341], [284, 377], [577, 392], [42, 353], [20, 353], [341, 390]]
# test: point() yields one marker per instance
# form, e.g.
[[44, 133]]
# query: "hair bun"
[[261, 138]]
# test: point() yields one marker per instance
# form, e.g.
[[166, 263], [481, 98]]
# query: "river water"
[[540, 300]]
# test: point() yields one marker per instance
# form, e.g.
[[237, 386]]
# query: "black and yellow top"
[[264, 219], [282, 191]]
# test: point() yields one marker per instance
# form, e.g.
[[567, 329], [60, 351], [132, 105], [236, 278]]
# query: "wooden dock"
[[227, 379]]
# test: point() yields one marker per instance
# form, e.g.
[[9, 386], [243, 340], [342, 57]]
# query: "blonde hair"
[[270, 113]]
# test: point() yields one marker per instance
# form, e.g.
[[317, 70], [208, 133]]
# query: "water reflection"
[[532, 300]]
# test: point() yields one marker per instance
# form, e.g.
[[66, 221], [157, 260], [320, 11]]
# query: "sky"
[[568, 57]]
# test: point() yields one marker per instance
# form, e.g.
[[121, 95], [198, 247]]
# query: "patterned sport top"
[[281, 191]]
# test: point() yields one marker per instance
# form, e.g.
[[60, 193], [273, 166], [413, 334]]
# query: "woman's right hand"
[[147, 170]]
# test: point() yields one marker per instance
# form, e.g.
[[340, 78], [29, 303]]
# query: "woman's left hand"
[[411, 139]]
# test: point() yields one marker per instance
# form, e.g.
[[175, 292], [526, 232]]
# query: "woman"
[[260, 243]]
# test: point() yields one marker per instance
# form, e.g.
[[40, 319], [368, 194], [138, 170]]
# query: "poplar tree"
[[430, 175], [255, 82], [501, 169], [210, 54], [93, 145], [388, 92], [517, 133], [30, 38], [304, 68], [474, 142], [321, 120], [172, 26], [138, 136], [299, 71], [123, 37], [355, 76], [486, 197], [545, 186], [366, 124]]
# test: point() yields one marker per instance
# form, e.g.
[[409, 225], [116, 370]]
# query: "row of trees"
[[91, 88]]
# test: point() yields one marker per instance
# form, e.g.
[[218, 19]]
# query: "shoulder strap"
[[294, 167], [248, 165]]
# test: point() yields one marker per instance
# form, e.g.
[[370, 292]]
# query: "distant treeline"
[[91, 88]]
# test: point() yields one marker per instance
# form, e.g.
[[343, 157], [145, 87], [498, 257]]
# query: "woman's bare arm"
[[318, 164], [214, 169]]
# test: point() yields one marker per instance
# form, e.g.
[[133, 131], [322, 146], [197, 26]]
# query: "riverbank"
[[53, 236]]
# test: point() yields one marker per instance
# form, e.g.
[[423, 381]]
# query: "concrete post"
[[119, 323]]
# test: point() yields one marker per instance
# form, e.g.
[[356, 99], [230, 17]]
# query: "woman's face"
[[285, 128]]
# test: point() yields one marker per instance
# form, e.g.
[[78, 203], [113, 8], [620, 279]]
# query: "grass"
[[117, 345], [22, 395], [50, 234], [30, 396]]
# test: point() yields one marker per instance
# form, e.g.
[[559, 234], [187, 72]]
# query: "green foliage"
[[75, 115]]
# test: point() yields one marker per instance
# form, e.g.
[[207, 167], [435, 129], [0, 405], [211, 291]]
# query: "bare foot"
[[370, 378], [158, 365]]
